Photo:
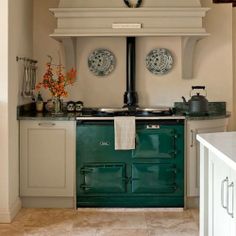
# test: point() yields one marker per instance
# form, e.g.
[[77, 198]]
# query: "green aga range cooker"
[[152, 175]]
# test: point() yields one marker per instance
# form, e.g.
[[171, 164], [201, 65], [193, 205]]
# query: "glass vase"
[[57, 104]]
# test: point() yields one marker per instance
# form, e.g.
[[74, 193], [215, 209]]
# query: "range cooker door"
[[154, 178], [103, 178], [154, 141]]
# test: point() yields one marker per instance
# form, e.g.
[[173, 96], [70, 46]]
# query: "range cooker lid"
[[154, 109], [158, 109], [112, 109]]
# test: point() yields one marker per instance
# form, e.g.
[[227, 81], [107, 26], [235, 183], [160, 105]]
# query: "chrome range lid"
[[154, 109], [137, 109]]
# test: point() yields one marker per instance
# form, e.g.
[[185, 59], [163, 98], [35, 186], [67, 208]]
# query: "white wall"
[[16, 40], [212, 65]]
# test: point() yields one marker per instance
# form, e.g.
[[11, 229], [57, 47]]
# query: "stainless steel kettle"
[[198, 104]]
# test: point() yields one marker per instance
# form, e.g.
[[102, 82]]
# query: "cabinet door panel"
[[47, 158], [220, 219], [193, 156], [232, 202]]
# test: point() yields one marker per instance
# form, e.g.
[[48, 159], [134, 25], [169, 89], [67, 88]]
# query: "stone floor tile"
[[11, 231], [122, 232], [158, 232], [44, 231], [111, 220], [83, 232]]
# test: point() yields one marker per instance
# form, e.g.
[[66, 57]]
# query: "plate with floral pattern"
[[159, 61], [101, 62]]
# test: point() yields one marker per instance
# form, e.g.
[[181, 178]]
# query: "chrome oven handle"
[[153, 127]]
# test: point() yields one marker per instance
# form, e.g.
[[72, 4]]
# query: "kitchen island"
[[217, 184]]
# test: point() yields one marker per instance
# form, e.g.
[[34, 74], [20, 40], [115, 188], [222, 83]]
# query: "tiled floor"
[[101, 222]]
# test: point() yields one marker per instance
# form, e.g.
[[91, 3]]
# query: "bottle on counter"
[[39, 103]]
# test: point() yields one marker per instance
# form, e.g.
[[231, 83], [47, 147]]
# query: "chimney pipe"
[[130, 96]]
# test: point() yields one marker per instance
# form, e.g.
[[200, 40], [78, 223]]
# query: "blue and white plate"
[[159, 61], [101, 62]]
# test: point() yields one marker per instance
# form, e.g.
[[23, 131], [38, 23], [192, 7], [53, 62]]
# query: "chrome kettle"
[[198, 104]]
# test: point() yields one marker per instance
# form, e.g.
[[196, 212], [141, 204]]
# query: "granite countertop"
[[216, 111]]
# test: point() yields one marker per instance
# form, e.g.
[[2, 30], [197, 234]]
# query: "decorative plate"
[[101, 62], [159, 61]]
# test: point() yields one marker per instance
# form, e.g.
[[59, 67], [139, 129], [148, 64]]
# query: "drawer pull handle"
[[231, 213], [48, 124], [223, 191], [192, 138]]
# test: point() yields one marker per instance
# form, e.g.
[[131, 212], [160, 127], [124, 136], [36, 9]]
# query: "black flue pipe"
[[130, 96]]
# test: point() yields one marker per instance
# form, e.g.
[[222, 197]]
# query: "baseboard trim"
[[47, 202], [192, 202], [7, 215]]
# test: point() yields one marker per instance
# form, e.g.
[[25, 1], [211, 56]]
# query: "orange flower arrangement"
[[57, 84]]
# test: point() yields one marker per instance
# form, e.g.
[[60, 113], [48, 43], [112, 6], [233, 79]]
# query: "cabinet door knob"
[[230, 186], [226, 180]]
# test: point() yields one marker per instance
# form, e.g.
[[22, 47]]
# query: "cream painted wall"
[[115, 3], [4, 164], [16, 40], [20, 44], [43, 25], [212, 65], [234, 66]]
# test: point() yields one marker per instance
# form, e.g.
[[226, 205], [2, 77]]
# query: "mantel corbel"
[[188, 49], [69, 44]]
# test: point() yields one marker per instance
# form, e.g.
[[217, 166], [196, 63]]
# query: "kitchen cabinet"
[[47, 158], [195, 127], [217, 183]]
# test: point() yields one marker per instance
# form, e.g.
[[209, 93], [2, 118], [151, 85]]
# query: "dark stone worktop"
[[217, 110]]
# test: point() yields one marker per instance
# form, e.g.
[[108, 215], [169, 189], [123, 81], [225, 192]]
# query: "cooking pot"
[[198, 104]]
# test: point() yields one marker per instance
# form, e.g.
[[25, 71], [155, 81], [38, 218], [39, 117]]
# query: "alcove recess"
[[182, 18]]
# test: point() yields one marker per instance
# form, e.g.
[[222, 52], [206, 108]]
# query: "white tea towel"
[[124, 132]]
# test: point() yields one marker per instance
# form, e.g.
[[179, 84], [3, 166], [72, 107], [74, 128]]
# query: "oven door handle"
[[85, 187]]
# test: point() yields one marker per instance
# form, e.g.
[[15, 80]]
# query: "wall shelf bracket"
[[69, 44], [188, 48]]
